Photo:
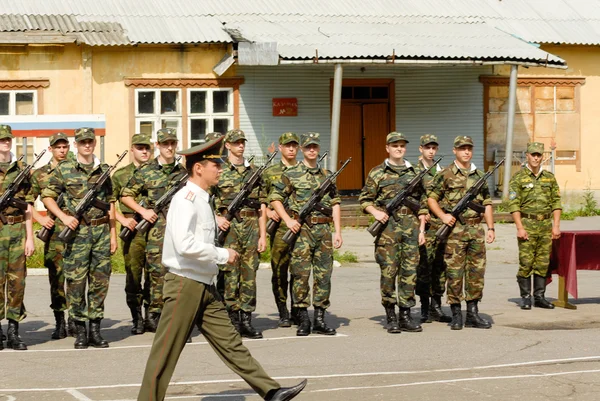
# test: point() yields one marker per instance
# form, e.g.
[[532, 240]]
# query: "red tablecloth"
[[575, 250]]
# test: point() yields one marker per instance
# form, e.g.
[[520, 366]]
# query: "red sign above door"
[[285, 107]]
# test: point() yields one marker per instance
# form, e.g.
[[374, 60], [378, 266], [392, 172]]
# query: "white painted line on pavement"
[[78, 395]]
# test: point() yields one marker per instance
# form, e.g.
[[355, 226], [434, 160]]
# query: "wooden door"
[[350, 145], [376, 126]]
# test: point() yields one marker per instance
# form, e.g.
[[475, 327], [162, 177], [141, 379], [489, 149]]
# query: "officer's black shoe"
[[435, 310], [457, 321], [425, 310], [151, 323], [319, 325], [473, 318], [294, 316], [137, 320], [2, 336], [71, 328], [13, 340], [286, 393], [284, 316], [406, 323], [303, 322], [539, 291], [525, 290], [60, 331], [81, 338], [247, 330], [392, 320], [234, 316], [95, 339]]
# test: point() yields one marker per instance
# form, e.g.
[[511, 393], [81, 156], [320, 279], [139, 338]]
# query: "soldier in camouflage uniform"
[[53, 248], [16, 243], [134, 250], [313, 250], [431, 274], [152, 180], [280, 252], [86, 260], [247, 235], [397, 247], [465, 249], [534, 201]]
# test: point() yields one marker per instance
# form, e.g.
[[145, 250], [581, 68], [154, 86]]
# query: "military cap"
[[140, 139], [235, 135], [288, 137], [59, 136], [81, 134], [535, 147], [211, 136], [310, 138], [463, 140], [6, 132], [429, 138], [166, 134], [395, 137], [210, 150]]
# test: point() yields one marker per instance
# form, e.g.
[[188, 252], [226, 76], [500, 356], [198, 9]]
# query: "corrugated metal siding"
[[446, 101]]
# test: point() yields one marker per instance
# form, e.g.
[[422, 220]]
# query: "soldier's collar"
[[406, 164], [437, 168], [473, 167], [534, 174], [95, 159]]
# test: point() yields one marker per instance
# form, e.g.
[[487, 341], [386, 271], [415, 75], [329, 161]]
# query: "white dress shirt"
[[188, 247]]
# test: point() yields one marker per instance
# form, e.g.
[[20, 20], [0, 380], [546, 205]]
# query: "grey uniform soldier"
[[534, 201]]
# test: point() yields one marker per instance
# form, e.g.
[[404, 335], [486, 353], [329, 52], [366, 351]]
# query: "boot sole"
[[394, 331], [17, 348], [284, 325], [412, 330], [99, 346], [325, 333], [456, 328], [81, 347], [302, 334], [474, 326]]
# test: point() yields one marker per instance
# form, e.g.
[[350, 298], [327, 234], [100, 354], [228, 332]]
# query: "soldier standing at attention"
[[153, 179], [280, 252], [86, 260], [534, 201], [134, 250], [16, 243], [431, 274], [465, 249], [313, 250], [247, 236], [397, 247], [54, 248]]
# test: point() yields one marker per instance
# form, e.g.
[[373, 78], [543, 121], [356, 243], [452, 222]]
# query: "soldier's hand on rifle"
[[130, 223], [71, 222], [422, 239], [223, 223], [149, 215], [46, 221], [522, 234], [428, 218], [272, 214], [448, 219], [381, 216], [233, 256], [337, 240], [262, 244], [29, 247], [293, 225]]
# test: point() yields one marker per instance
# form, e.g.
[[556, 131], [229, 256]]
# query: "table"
[[574, 250]]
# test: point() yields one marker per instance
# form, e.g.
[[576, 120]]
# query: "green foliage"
[[346, 257], [501, 207], [588, 207]]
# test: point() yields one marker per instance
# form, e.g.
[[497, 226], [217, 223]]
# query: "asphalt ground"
[[532, 355]]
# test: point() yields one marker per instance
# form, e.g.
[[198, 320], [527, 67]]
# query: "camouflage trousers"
[[465, 262], [239, 281], [280, 262], [431, 273], [313, 251], [53, 261], [397, 254], [155, 270], [12, 271], [134, 255], [534, 254], [86, 261]]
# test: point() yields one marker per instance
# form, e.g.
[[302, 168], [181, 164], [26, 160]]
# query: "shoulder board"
[[190, 196]]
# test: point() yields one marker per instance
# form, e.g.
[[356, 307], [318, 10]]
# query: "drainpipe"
[[512, 100], [335, 117]]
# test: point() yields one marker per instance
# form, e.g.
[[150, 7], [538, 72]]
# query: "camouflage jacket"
[[298, 183], [428, 179], [152, 180], [531, 194], [272, 175], [451, 184], [39, 179], [230, 183], [385, 181], [120, 179], [8, 173], [74, 180]]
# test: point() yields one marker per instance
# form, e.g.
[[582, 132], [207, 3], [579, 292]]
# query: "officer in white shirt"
[[189, 291]]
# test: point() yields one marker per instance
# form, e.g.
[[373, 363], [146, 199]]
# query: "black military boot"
[[392, 320], [71, 328], [319, 325], [60, 331], [525, 289], [303, 322], [539, 291], [2, 336], [81, 340], [151, 323], [286, 393], [137, 320], [473, 318], [284, 316], [436, 312], [425, 310], [13, 340], [94, 338], [294, 316], [457, 321], [234, 316], [406, 323], [247, 330]]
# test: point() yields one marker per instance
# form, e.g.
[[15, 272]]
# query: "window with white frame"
[[19, 103], [209, 110], [156, 109]]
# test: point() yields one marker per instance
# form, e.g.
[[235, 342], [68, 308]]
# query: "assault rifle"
[[314, 203], [402, 198], [272, 225], [44, 234], [8, 197], [90, 199], [467, 202], [241, 199]]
